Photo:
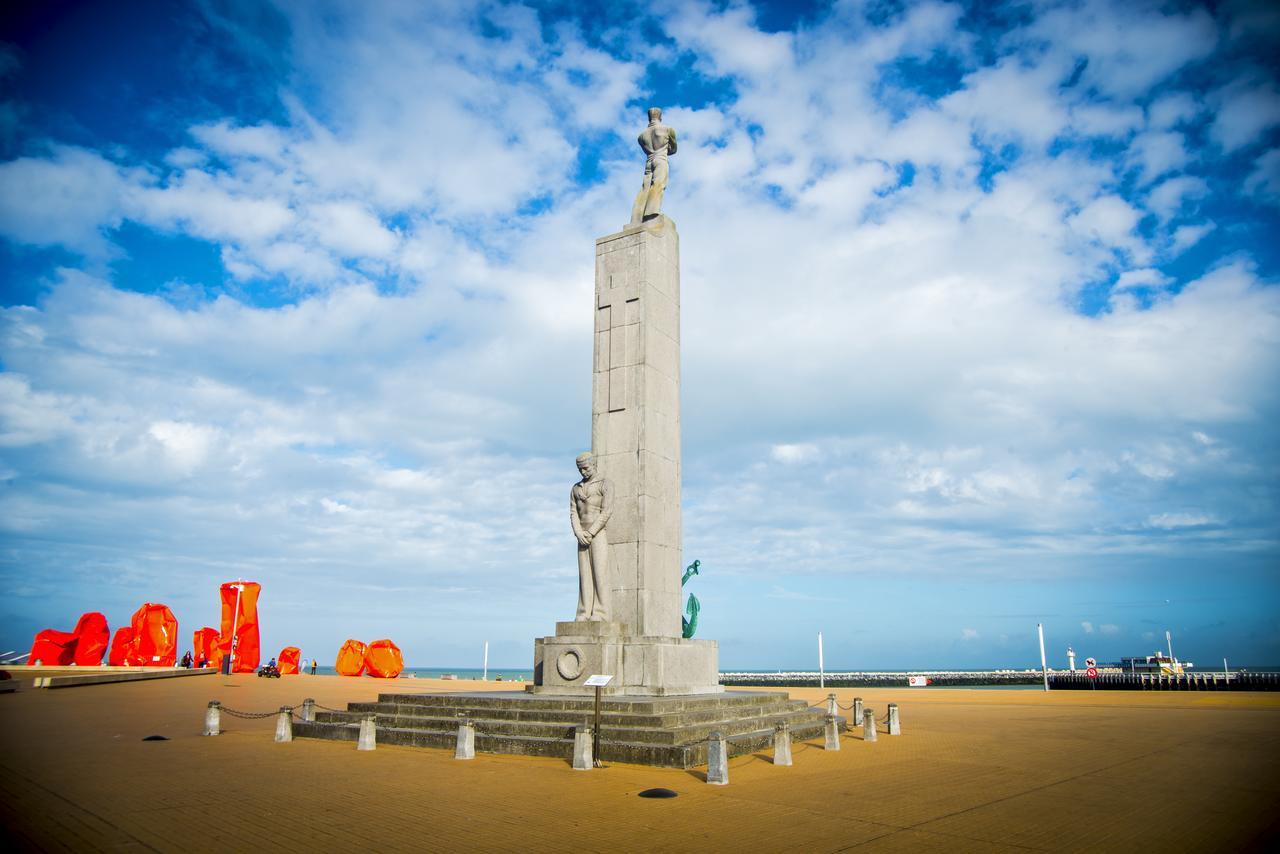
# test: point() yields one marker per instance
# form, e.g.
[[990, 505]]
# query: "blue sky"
[[980, 319]]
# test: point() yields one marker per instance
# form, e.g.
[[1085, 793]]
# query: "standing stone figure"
[[590, 506], [658, 141]]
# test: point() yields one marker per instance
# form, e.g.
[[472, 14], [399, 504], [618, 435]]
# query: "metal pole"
[[1044, 664], [1169, 640], [1225, 672], [595, 744], [235, 618], [821, 674], [485, 678]]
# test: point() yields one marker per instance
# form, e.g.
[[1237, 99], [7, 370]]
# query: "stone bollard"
[[832, 734], [284, 725], [857, 709], [895, 724], [782, 744], [308, 709], [466, 748], [831, 705], [718, 760], [582, 758], [368, 732], [213, 718], [868, 725]]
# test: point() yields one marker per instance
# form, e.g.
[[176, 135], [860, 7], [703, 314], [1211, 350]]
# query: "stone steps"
[[609, 716], [666, 731]]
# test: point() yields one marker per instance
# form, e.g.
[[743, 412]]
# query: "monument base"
[[640, 666]]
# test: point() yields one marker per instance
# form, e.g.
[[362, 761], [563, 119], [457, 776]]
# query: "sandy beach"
[[975, 770]]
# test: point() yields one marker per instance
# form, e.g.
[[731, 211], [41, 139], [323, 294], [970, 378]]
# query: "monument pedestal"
[[640, 666]]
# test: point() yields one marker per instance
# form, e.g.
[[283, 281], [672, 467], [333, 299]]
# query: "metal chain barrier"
[[253, 716]]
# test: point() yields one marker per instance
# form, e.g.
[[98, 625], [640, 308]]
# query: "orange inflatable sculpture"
[[53, 648], [244, 622], [383, 659], [82, 646], [92, 638], [288, 661], [350, 659], [120, 646], [204, 645], [155, 636]]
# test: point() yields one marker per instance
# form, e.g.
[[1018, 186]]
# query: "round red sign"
[[1092, 673]]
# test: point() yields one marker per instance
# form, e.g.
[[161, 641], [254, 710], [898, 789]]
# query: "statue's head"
[[655, 114], [586, 464]]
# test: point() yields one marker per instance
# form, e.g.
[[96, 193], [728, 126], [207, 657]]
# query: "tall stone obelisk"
[[635, 440]]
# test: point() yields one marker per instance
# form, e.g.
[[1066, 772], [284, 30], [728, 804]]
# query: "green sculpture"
[[694, 606]]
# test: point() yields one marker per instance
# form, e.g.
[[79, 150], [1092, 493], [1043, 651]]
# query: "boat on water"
[[1157, 663]]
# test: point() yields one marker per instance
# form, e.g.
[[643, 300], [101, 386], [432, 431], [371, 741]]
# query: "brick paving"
[[975, 770]]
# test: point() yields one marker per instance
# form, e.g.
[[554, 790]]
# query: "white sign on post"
[[598, 680], [1089, 662]]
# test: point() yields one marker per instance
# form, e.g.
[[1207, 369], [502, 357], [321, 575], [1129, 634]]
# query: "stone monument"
[[625, 512]]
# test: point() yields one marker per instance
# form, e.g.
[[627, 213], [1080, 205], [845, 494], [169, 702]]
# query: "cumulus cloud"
[[930, 327]]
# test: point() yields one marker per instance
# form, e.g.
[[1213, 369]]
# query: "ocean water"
[[517, 674], [504, 674]]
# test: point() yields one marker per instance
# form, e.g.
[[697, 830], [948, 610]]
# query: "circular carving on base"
[[569, 664]]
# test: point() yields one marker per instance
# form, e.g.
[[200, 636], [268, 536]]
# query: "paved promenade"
[[975, 770]]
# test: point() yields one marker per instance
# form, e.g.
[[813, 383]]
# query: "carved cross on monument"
[[617, 316]]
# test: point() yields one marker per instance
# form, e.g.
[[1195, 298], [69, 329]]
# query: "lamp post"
[[1044, 665], [235, 619]]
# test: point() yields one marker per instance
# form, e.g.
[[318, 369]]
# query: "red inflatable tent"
[[53, 648], [82, 646], [155, 636], [288, 661], [350, 659], [92, 638], [247, 650], [121, 645], [383, 659], [204, 645]]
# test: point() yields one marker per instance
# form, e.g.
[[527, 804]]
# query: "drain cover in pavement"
[[657, 793]]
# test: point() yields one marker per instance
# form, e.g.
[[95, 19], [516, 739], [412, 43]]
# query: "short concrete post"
[[368, 732], [718, 760], [831, 705], [857, 709], [582, 758], [466, 745], [213, 718], [284, 725], [868, 725], [782, 744], [895, 725], [308, 709], [831, 733]]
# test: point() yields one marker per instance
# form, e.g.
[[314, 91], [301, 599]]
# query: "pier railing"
[[1078, 681], [1165, 682]]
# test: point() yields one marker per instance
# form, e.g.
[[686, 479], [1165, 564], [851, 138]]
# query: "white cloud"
[[1145, 277], [1243, 113], [67, 198], [1087, 626], [1168, 197], [1264, 179], [794, 453], [1109, 629], [968, 634], [1169, 521]]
